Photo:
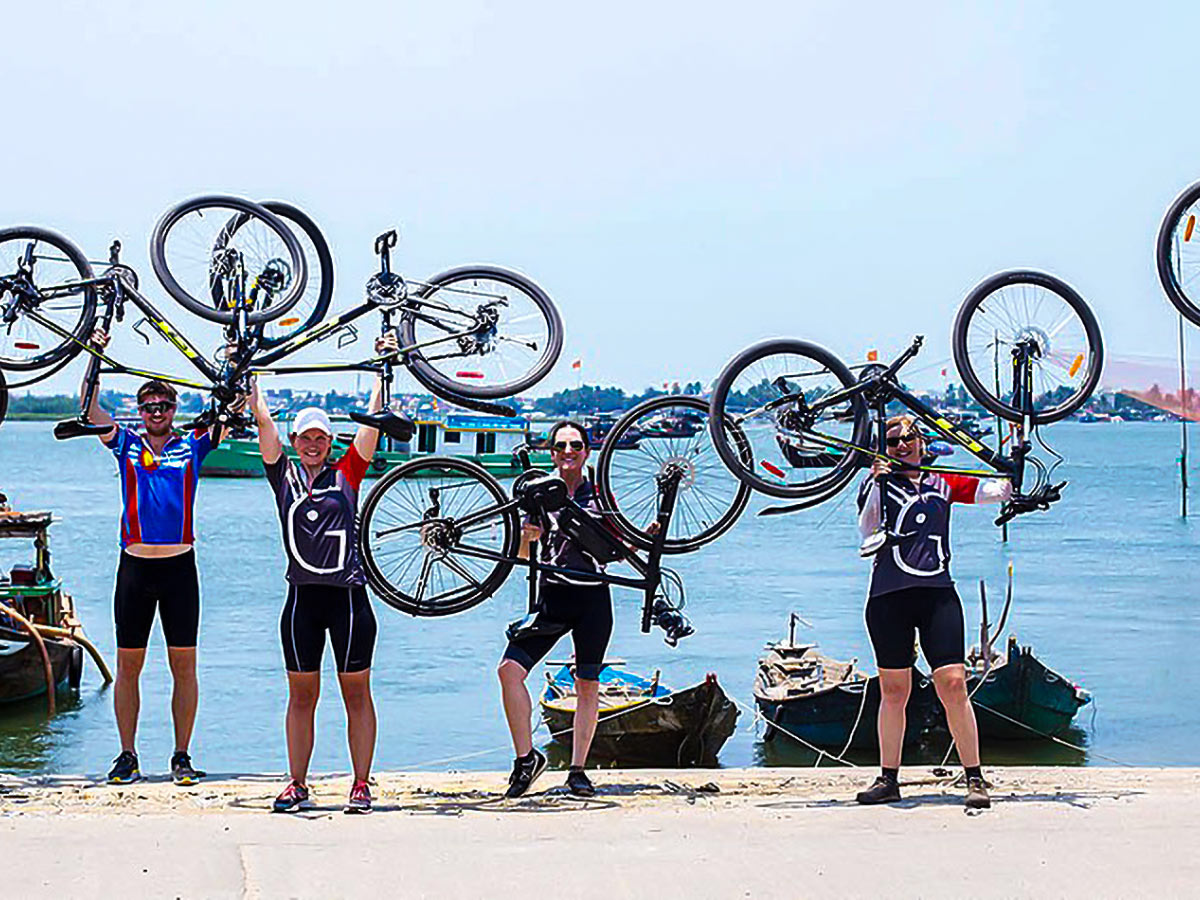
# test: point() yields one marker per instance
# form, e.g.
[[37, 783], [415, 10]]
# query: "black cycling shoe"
[[182, 772], [579, 784], [125, 769], [525, 771], [884, 790]]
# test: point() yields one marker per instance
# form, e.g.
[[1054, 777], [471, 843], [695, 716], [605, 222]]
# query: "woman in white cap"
[[317, 503]]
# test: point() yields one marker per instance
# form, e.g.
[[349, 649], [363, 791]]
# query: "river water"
[[1105, 592]]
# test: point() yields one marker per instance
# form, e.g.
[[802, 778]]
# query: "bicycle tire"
[[205, 308], [294, 218], [81, 329], [3, 398], [371, 550], [1092, 354], [1168, 275], [430, 375], [610, 502], [840, 473]]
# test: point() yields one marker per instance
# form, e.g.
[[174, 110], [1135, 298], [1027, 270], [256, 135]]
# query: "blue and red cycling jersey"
[[158, 491]]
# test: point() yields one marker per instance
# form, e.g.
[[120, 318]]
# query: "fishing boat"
[[684, 425], [643, 722], [601, 424], [41, 640], [829, 703]]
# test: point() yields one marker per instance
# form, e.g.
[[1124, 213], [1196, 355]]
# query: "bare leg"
[[587, 712], [951, 684], [360, 720], [185, 695], [894, 685], [518, 708], [303, 690], [127, 699]]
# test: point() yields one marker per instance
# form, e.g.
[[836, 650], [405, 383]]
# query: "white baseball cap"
[[309, 418]]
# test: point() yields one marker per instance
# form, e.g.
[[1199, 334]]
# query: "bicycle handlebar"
[[1040, 499]]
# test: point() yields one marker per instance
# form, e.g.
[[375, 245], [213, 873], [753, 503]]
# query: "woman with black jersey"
[[317, 505], [578, 605], [912, 593]]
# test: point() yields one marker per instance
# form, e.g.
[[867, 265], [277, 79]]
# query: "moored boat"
[[827, 702], [642, 722], [41, 641]]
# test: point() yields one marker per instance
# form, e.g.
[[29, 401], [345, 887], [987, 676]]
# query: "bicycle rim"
[[416, 563], [669, 434]]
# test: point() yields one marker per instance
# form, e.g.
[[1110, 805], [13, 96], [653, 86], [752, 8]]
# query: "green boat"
[[486, 440]]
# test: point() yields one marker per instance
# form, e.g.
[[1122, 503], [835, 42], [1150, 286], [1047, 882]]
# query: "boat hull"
[[22, 673], [686, 728], [831, 717]]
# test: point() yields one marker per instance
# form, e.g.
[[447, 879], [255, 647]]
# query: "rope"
[[758, 714]]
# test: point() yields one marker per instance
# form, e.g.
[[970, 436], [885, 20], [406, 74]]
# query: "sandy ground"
[[698, 833]]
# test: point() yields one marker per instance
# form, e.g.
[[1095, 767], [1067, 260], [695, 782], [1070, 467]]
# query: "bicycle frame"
[[878, 387], [115, 289]]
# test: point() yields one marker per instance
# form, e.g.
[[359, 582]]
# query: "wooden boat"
[[827, 702], [41, 640], [642, 722], [1020, 697]]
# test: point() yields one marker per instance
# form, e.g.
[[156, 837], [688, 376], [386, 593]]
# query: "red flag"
[[578, 364], [872, 356], [943, 373]]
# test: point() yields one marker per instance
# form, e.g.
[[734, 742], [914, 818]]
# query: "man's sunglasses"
[[157, 407], [560, 446], [903, 439]]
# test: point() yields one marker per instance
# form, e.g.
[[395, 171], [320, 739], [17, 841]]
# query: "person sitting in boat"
[[912, 593], [317, 505], [576, 605], [160, 470]]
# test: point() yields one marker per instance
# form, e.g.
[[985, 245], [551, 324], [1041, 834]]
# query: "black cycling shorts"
[[313, 609], [166, 583], [896, 618], [583, 610]]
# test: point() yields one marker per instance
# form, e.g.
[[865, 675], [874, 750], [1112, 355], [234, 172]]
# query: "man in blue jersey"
[[159, 469]]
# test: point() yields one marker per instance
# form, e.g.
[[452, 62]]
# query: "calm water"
[[1105, 591]]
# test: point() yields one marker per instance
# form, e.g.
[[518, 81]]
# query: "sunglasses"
[[157, 407], [560, 446], [903, 439]]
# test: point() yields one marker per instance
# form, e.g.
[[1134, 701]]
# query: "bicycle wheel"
[[3, 397], [482, 331], [314, 302], [420, 525], [1177, 254], [43, 310], [649, 440], [233, 241], [779, 392], [1043, 313]]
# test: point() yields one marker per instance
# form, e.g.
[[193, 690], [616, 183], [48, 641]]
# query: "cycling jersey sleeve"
[[119, 442], [869, 515], [200, 443], [275, 471], [968, 489], [353, 466]]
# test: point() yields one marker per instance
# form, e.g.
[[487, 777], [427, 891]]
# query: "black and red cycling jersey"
[[919, 514]]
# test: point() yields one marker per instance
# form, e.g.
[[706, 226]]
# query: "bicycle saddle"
[[398, 427], [71, 428]]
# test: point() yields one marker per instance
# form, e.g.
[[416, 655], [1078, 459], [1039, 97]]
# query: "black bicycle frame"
[[650, 568]]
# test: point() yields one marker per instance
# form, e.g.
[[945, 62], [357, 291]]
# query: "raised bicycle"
[[1177, 253], [1026, 346], [439, 535], [470, 335]]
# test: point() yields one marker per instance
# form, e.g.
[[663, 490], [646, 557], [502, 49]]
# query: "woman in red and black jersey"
[[912, 593], [317, 505]]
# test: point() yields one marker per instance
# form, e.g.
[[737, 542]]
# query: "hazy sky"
[[683, 179]]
